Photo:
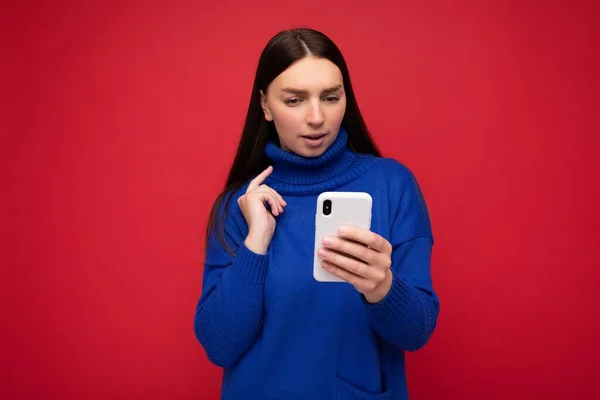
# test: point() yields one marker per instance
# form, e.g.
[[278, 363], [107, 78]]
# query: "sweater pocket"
[[342, 390]]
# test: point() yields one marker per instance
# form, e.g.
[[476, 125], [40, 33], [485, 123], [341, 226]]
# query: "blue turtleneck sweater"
[[281, 335]]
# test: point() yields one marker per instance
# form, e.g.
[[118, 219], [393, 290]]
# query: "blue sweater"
[[277, 332]]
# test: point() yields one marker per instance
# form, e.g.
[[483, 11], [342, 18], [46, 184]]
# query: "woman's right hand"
[[261, 222]]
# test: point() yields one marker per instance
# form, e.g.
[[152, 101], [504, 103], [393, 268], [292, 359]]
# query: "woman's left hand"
[[361, 258]]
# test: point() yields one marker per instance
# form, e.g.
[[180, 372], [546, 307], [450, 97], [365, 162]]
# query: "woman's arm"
[[229, 314], [230, 311], [406, 317]]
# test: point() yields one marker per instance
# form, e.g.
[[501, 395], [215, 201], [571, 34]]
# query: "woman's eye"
[[297, 101], [292, 102]]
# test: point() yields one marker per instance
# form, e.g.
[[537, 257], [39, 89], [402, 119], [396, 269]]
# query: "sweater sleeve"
[[229, 313], [407, 316]]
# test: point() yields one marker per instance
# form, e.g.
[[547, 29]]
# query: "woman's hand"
[[261, 222], [361, 258]]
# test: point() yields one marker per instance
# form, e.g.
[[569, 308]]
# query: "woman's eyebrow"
[[304, 92]]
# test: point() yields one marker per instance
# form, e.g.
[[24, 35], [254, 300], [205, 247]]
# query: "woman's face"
[[306, 102]]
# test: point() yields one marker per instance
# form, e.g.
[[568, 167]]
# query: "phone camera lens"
[[327, 207]]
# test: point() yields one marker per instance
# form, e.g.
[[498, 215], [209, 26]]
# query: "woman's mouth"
[[314, 140]]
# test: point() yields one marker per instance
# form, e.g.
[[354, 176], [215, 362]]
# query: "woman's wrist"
[[382, 290], [257, 243]]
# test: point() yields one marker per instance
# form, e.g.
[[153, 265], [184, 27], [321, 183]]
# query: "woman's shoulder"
[[388, 168]]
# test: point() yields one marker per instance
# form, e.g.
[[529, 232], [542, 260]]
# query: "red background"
[[119, 123]]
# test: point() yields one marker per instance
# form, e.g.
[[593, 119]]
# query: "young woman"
[[276, 331]]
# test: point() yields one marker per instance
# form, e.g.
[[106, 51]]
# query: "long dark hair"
[[282, 50]]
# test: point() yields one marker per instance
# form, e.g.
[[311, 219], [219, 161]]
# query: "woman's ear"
[[265, 106]]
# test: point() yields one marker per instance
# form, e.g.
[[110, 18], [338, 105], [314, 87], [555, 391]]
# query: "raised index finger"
[[256, 182], [366, 237]]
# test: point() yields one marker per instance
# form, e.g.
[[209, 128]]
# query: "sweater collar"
[[292, 168]]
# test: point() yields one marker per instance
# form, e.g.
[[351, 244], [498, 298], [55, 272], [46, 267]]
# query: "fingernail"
[[321, 252], [327, 241], [344, 229]]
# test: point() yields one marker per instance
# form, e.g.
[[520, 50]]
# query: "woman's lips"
[[314, 140]]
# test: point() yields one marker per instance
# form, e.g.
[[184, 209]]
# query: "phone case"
[[347, 208]]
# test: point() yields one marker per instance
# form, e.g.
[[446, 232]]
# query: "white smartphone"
[[333, 210]]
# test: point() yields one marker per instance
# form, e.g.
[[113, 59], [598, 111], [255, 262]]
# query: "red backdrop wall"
[[120, 120]]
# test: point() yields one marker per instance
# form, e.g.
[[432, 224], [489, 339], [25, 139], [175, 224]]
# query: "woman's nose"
[[315, 115]]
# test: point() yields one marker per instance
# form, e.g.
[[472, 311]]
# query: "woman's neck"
[[292, 168]]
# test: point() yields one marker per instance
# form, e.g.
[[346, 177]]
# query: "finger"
[[344, 274], [277, 196], [362, 285], [366, 237], [267, 190], [283, 202], [275, 206], [352, 248], [268, 197], [351, 265], [254, 183], [280, 198]]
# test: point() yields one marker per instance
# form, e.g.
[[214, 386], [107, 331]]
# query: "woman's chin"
[[312, 148]]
